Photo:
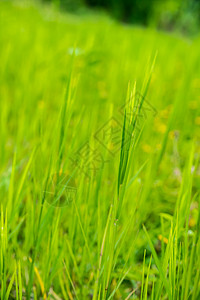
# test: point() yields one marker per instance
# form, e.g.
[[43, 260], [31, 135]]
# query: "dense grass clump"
[[99, 158]]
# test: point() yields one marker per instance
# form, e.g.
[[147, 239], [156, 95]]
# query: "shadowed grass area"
[[99, 158]]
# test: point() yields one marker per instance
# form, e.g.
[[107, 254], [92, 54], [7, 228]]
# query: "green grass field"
[[99, 158]]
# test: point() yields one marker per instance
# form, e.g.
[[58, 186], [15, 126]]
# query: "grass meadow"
[[99, 158]]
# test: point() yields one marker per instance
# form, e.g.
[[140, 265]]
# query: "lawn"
[[99, 158]]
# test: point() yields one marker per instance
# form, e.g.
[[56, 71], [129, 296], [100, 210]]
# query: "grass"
[[99, 158]]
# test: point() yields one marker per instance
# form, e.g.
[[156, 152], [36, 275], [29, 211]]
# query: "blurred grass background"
[[170, 15]]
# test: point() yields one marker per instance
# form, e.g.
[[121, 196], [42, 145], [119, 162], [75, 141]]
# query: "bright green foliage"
[[130, 229]]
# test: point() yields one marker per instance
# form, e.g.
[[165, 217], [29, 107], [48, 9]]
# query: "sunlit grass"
[[110, 114]]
